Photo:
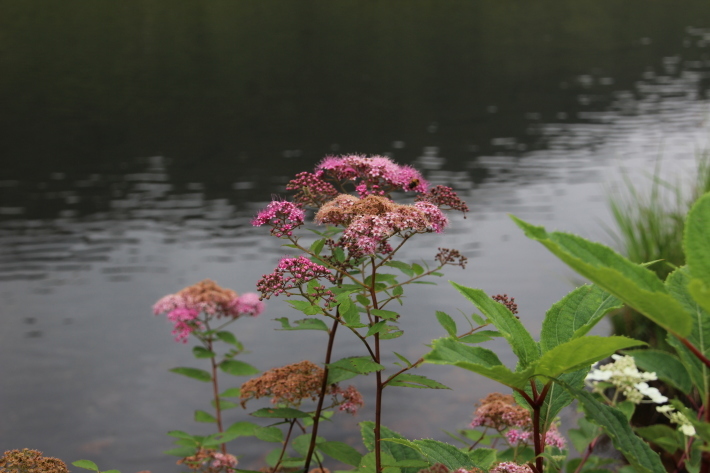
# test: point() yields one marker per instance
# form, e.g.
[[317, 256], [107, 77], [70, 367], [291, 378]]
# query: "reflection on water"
[[88, 245]]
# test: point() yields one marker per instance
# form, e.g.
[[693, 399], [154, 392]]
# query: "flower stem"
[[215, 391]]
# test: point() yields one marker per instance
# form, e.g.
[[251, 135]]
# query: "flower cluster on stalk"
[[194, 306], [624, 376], [290, 385], [208, 460], [28, 460], [501, 413], [292, 273]]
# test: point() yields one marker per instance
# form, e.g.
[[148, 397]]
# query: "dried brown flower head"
[[509, 302], [500, 411], [208, 291], [289, 384], [30, 461]]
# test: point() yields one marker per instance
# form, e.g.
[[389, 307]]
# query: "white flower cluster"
[[679, 418], [624, 375]]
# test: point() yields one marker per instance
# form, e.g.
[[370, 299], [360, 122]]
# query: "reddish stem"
[[215, 390]]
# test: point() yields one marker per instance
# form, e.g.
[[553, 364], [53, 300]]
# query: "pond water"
[[139, 139]]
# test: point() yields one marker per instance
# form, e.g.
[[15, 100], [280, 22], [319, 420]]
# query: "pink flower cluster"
[[283, 217], [311, 189], [446, 197], [375, 175], [519, 436], [510, 467], [184, 308], [224, 461], [372, 220], [352, 400], [291, 273]]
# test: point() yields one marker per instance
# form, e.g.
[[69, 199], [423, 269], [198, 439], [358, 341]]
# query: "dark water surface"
[[140, 138]]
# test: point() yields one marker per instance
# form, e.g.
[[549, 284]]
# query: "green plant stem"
[[292, 422], [321, 396]]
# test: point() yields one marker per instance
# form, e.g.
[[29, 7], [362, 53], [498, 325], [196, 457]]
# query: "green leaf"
[[480, 337], [509, 326], [231, 392], [342, 452], [306, 307], [580, 353], [576, 314], [339, 254], [302, 443], [228, 337], [181, 435], [202, 416], [639, 287], [302, 324], [385, 314], [86, 464], [224, 405], [404, 267], [408, 380], [695, 240], [418, 270], [336, 375], [237, 368], [202, 352], [243, 429], [447, 322], [396, 451], [317, 246], [397, 291], [362, 300], [194, 373], [181, 452], [269, 434], [280, 413], [438, 452], [617, 427], [401, 357], [666, 437], [667, 367], [357, 364], [391, 332], [484, 457], [447, 351], [377, 328], [348, 311]]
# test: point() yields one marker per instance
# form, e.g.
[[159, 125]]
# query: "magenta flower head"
[[194, 305], [292, 273], [283, 217], [375, 175]]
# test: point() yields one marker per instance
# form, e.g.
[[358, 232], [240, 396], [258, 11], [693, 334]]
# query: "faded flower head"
[[500, 411], [206, 298], [292, 384], [452, 257], [375, 175], [30, 461], [283, 217], [510, 467], [624, 376], [208, 460], [372, 220], [292, 273]]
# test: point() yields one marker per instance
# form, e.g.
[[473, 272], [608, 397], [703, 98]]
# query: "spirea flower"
[[624, 376], [500, 411], [311, 189], [208, 460], [206, 299], [283, 217], [375, 175], [291, 273], [372, 220], [352, 400], [444, 197], [27, 460], [510, 467]]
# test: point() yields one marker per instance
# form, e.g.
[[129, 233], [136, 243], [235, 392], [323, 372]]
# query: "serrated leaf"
[[695, 240], [306, 307], [447, 351], [181, 452], [385, 314], [397, 291], [484, 457], [438, 452], [194, 373], [666, 437], [418, 270], [404, 267], [409, 380], [224, 405], [228, 337], [480, 337], [302, 324], [377, 328], [349, 313], [667, 367], [243, 428], [339, 254], [202, 416], [86, 464], [639, 287], [401, 357], [280, 413], [576, 314], [342, 452], [357, 364], [396, 451], [509, 326], [447, 322], [391, 332], [615, 425], [181, 435], [337, 375], [202, 352], [269, 434], [317, 246], [231, 392], [237, 368]]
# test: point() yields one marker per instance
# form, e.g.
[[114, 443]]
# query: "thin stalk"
[[215, 390], [283, 450], [321, 396], [587, 454]]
